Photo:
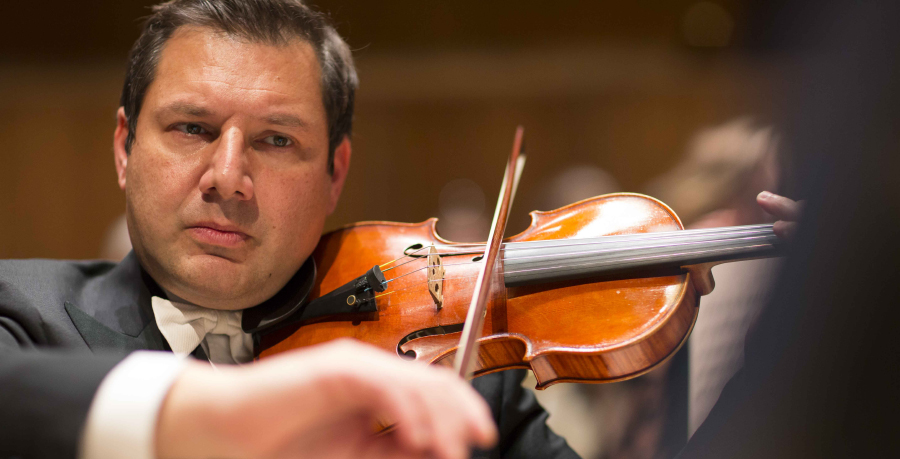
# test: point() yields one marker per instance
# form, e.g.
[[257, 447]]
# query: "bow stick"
[[467, 352]]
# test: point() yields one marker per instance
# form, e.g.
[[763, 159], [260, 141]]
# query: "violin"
[[597, 291]]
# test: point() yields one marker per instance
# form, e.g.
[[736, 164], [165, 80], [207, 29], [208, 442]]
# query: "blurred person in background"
[[716, 185]]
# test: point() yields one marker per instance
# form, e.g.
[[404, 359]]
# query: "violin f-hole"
[[411, 251]]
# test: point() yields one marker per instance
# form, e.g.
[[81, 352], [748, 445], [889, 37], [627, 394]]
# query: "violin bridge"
[[436, 277]]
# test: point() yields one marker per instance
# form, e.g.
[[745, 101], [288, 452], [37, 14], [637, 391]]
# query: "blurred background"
[[642, 96]]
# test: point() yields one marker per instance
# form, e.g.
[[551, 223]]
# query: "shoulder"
[[46, 266], [40, 275], [33, 294], [41, 283]]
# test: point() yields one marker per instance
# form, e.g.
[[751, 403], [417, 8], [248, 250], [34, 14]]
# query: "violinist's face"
[[227, 184]]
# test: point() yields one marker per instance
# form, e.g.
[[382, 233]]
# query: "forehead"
[[211, 67]]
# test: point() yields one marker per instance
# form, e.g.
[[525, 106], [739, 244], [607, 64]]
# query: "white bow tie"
[[186, 326]]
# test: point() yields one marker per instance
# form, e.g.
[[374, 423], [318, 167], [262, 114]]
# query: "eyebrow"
[[278, 119], [186, 108], [283, 119]]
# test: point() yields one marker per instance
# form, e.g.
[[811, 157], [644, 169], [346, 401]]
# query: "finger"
[[449, 421], [781, 207], [367, 381], [785, 230], [443, 416], [433, 409], [361, 386], [481, 429], [342, 439], [388, 447], [423, 387], [416, 387], [418, 432], [473, 423], [447, 404], [485, 432], [411, 423]]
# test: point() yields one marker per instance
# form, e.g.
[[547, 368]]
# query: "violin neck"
[[661, 253]]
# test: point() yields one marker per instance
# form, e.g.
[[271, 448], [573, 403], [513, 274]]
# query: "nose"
[[227, 174]]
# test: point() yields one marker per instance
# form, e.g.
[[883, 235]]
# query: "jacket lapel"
[[99, 337], [113, 312]]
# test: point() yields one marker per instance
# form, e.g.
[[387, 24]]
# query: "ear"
[[339, 174], [119, 153]]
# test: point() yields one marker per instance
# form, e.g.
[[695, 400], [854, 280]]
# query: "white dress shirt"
[[186, 326], [121, 421]]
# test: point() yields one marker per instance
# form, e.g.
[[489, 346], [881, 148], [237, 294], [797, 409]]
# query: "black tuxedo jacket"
[[65, 324]]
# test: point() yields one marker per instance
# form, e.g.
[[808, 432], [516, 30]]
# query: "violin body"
[[586, 330]]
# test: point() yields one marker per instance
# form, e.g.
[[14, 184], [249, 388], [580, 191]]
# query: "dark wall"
[[615, 86]]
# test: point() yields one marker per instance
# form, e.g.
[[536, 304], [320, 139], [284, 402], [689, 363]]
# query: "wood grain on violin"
[[596, 291]]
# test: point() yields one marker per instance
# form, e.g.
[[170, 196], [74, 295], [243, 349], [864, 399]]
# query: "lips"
[[217, 234]]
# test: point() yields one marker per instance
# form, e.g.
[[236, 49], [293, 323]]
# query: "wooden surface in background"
[[70, 30], [603, 85]]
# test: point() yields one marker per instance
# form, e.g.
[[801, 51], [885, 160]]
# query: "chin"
[[218, 293], [217, 283]]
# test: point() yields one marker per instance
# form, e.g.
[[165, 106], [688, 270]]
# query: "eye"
[[191, 129], [278, 140]]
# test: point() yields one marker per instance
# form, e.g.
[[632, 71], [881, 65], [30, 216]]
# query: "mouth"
[[211, 233]]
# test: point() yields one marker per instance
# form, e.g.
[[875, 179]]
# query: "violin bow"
[[467, 352]]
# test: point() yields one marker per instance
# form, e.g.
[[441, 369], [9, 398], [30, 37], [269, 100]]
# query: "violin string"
[[405, 255], [426, 267], [525, 245], [532, 245], [626, 249], [585, 252], [648, 257], [583, 264], [412, 259], [670, 256], [641, 237], [417, 284], [381, 266], [616, 239]]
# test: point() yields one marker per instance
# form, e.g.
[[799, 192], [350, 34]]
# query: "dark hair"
[[274, 22]]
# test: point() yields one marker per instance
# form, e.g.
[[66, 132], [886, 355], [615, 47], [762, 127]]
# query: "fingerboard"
[[534, 262]]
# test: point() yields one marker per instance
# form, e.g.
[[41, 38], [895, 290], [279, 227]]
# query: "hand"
[[323, 402], [786, 210]]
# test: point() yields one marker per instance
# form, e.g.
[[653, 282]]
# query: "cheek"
[[155, 186], [299, 209]]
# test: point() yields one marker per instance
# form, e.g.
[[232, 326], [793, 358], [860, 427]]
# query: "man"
[[232, 145]]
